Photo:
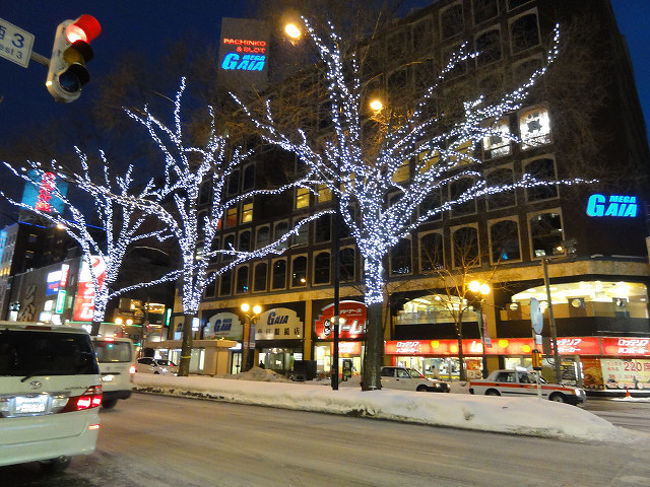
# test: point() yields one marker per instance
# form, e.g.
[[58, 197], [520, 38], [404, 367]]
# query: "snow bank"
[[522, 416]]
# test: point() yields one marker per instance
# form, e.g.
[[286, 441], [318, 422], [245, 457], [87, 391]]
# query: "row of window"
[[545, 237]]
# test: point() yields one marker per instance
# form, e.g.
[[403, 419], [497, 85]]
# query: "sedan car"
[[150, 365], [410, 380]]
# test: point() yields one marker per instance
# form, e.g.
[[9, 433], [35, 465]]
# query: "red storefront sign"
[[347, 349], [626, 346], [523, 346], [84, 304], [354, 314]]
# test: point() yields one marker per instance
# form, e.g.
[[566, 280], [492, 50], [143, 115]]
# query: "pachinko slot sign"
[[84, 304], [243, 54]]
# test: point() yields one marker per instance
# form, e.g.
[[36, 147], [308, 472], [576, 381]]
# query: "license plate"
[[31, 405], [108, 378]]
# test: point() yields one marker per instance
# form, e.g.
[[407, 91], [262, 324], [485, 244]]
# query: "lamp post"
[[551, 319], [478, 288], [249, 319]]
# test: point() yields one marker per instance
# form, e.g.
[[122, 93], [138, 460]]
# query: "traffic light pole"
[[40, 59], [551, 317]]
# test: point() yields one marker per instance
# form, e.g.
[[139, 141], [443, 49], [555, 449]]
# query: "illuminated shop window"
[[247, 212], [546, 234], [402, 172], [535, 128], [302, 198], [324, 193], [431, 252], [498, 145], [504, 240], [231, 217]]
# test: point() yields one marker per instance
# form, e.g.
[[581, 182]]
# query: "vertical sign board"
[[243, 54], [84, 304], [15, 43], [40, 195]]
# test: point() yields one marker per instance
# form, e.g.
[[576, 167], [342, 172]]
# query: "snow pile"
[[258, 374], [525, 416]]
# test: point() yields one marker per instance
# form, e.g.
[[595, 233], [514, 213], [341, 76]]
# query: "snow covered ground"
[[523, 416]]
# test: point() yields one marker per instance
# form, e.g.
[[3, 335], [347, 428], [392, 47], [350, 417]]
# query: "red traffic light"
[[85, 28]]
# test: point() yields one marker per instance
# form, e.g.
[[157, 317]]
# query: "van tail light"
[[132, 370], [92, 398], [94, 426]]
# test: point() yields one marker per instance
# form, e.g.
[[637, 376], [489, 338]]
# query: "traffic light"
[[537, 359], [67, 73]]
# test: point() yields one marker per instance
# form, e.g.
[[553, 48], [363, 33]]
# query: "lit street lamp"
[[249, 319], [481, 289], [376, 104]]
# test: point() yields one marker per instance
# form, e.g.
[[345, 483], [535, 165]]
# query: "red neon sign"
[[354, 314]]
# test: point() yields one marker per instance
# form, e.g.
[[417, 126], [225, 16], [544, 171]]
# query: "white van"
[[115, 356], [50, 393]]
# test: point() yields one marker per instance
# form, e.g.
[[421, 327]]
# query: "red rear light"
[[92, 398], [132, 370]]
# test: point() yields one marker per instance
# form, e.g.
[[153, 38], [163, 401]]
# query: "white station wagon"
[[50, 393]]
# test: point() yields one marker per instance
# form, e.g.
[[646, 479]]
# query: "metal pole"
[[246, 339], [337, 278], [482, 332], [40, 59], [551, 316]]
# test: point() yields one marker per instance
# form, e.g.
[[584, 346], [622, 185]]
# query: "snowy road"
[[632, 415], [166, 441]]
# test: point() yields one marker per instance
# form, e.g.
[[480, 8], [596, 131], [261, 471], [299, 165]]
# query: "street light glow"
[[485, 289], [292, 30], [376, 104], [257, 309], [245, 307], [474, 286]]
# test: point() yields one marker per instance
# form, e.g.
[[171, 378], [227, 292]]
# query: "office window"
[[302, 198], [465, 247], [398, 85], [247, 212], [242, 280], [226, 284], [524, 33], [228, 244], [402, 172], [205, 192], [232, 185], [535, 128], [498, 145], [504, 239], [461, 66], [323, 229], [423, 35], [543, 170], [263, 237], [280, 229], [210, 290], [245, 241], [324, 194], [488, 45], [432, 201], [451, 21], [400, 257], [302, 238], [512, 4], [259, 283], [546, 234], [484, 10], [279, 278], [231, 217], [504, 199], [431, 252], [322, 268], [249, 177], [346, 264], [458, 188], [299, 271]]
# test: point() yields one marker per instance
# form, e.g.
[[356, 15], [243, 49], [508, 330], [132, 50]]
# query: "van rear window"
[[25, 353], [112, 351]]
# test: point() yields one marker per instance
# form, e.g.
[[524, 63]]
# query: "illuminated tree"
[[364, 160], [121, 226]]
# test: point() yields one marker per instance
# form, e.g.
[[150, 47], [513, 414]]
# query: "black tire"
[[56, 465], [557, 397], [109, 403], [156, 372], [422, 388], [492, 392]]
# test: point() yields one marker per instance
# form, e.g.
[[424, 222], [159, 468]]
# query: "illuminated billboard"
[[243, 54], [84, 304], [40, 194]]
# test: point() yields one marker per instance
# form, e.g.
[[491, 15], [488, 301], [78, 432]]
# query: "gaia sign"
[[617, 206]]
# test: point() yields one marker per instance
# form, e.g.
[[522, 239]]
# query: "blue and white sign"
[[224, 325], [279, 324], [615, 205], [536, 316], [15, 43]]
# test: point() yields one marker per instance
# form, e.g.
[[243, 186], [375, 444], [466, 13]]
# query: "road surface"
[[162, 441]]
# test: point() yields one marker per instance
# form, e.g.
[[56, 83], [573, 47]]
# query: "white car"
[[115, 356], [410, 380], [152, 365], [50, 393], [521, 383]]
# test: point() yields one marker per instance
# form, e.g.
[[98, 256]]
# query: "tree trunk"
[[461, 357], [373, 359], [186, 347], [94, 329]]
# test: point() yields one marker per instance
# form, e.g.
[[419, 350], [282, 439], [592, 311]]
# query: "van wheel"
[[156, 372], [56, 465], [492, 392], [422, 388], [557, 397], [109, 404]]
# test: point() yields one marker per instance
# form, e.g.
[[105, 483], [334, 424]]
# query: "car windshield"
[[533, 378], [108, 351], [25, 353], [166, 363], [415, 374]]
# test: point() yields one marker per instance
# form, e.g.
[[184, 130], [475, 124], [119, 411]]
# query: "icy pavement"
[[520, 416]]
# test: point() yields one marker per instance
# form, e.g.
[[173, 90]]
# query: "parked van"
[[50, 393], [115, 356]]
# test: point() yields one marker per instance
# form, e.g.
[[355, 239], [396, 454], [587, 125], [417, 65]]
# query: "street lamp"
[[376, 105], [249, 319], [292, 31], [481, 289]]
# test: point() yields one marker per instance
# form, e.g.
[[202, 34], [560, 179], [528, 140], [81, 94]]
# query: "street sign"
[[15, 43]]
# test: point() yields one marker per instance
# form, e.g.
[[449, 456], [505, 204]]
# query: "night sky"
[[148, 25]]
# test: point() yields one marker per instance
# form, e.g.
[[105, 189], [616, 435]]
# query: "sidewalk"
[[518, 416]]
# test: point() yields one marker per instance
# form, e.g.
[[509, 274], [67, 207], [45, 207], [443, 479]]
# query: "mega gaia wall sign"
[[614, 205], [243, 54]]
